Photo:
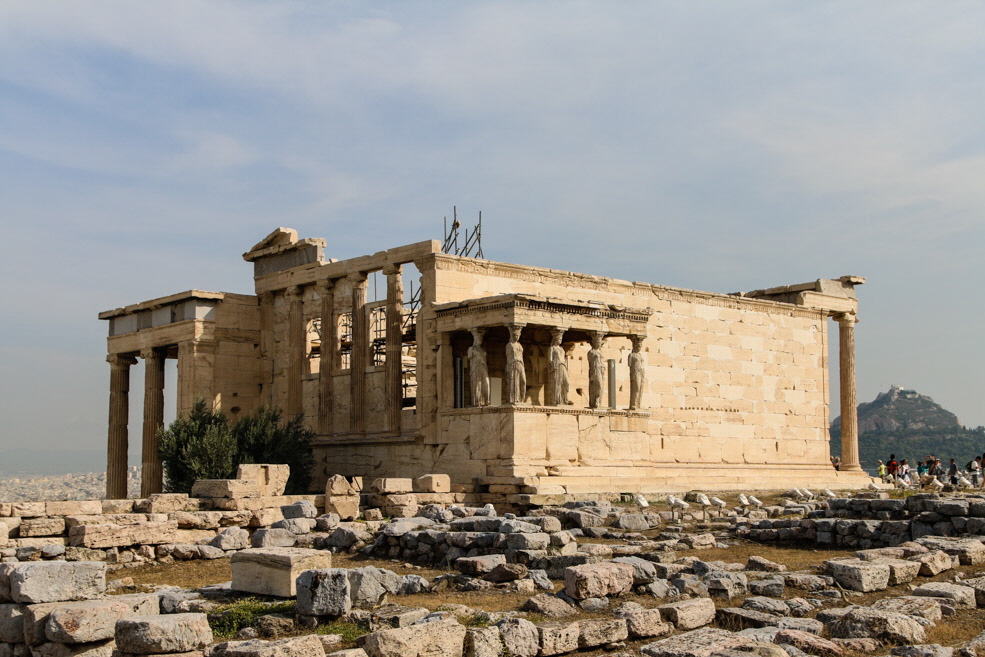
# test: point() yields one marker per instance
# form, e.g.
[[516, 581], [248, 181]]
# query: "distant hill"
[[910, 425]]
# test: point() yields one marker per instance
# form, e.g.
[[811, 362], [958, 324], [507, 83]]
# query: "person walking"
[[952, 473], [882, 471], [892, 467], [976, 469]]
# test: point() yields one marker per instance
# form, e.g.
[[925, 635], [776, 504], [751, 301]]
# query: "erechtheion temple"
[[515, 380]]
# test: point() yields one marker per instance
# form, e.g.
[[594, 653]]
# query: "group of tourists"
[[932, 468]]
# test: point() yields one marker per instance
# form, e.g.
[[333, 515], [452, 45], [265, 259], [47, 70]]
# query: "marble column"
[[119, 416], [359, 359], [328, 357], [393, 367], [295, 351], [849, 402], [152, 475]]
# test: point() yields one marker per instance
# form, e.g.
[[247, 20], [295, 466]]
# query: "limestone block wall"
[[733, 385]]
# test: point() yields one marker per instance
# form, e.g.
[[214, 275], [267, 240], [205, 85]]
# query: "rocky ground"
[[73, 486], [691, 591]]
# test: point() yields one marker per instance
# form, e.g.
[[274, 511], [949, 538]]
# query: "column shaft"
[[328, 356], [360, 354], [119, 416], [394, 347], [152, 476], [295, 346], [849, 402]]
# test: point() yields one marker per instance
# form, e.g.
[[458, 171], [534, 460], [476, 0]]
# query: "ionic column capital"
[[392, 270], [150, 353], [121, 361], [293, 292], [325, 285], [357, 278], [846, 319]]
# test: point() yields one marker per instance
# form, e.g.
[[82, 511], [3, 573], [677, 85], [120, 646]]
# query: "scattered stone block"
[[645, 623], [299, 509], [369, 586], [164, 503], [549, 605], [231, 538], [886, 626], [345, 506], [962, 596], [392, 485], [323, 592], [912, 605], [735, 618], [434, 639], [433, 483], [55, 581], [111, 535], [858, 575], [598, 580], [95, 620], [274, 571], [901, 571], [600, 632], [273, 538], [399, 616], [763, 564], [174, 633], [698, 643], [227, 488], [689, 614], [27, 509], [476, 566], [339, 485], [32, 527], [808, 642], [485, 642], [271, 478], [933, 562], [520, 637], [557, 638]]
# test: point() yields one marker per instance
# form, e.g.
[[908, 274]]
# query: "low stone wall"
[[874, 522], [176, 526]]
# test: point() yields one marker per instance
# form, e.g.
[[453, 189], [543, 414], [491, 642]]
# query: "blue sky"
[[723, 146]]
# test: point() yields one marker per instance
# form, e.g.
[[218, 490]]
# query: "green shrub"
[[229, 619], [197, 446], [204, 446], [261, 437]]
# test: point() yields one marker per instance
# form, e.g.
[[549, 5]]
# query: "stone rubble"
[[53, 601]]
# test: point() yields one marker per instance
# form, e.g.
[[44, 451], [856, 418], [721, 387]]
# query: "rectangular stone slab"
[[274, 571], [104, 536]]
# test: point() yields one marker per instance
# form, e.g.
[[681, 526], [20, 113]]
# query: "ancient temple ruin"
[[516, 380]]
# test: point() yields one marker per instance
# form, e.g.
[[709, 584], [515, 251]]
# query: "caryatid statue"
[[637, 373], [478, 369], [558, 370], [596, 369], [516, 376]]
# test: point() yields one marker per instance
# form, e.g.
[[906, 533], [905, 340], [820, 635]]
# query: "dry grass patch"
[[185, 574], [793, 556]]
